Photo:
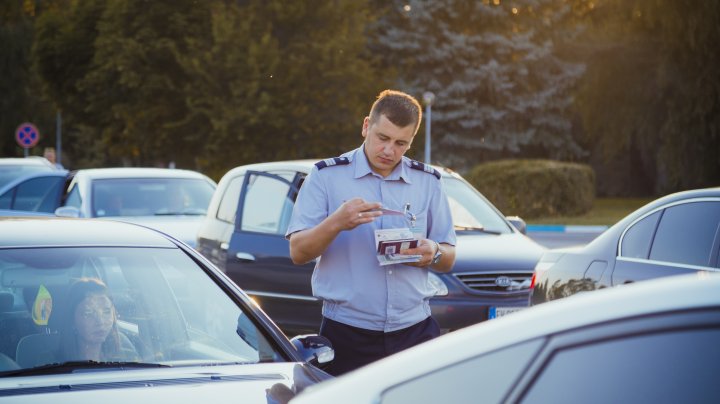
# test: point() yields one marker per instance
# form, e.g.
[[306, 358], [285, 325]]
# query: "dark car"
[[168, 326], [244, 235], [673, 235]]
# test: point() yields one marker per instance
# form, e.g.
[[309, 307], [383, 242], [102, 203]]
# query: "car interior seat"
[[6, 363], [37, 349], [14, 324], [42, 347]]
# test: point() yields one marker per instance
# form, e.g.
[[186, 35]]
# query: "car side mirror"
[[314, 349], [67, 211], [518, 223]]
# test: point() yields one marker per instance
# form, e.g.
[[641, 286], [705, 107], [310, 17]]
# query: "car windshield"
[[470, 211], [134, 306], [150, 197]]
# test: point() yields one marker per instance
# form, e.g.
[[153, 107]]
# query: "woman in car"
[[91, 332]]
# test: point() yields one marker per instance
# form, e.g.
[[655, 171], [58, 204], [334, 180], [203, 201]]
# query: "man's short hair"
[[400, 108]]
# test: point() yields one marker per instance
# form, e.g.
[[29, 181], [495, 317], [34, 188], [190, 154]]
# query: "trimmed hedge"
[[536, 188]]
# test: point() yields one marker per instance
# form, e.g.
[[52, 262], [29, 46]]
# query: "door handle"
[[246, 257]]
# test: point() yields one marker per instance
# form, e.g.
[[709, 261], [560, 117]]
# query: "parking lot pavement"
[[560, 236]]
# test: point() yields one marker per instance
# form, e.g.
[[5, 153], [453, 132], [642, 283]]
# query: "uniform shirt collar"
[[362, 167]]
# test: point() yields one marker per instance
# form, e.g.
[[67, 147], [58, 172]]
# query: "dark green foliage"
[[652, 90], [280, 80], [62, 54], [208, 85], [536, 188], [22, 96], [500, 86], [218, 83]]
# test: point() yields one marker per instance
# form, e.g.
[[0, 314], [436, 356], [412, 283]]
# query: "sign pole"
[[428, 98], [58, 138]]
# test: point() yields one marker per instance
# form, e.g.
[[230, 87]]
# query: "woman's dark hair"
[[79, 291]]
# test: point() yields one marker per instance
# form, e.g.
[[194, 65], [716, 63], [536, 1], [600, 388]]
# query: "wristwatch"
[[438, 254]]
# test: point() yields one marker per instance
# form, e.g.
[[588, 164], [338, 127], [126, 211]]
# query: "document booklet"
[[390, 242]]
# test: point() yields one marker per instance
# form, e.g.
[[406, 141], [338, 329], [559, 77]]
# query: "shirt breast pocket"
[[419, 228]]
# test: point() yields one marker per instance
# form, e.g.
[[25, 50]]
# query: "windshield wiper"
[[475, 228], [71, 366]]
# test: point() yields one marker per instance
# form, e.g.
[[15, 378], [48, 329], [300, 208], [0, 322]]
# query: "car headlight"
[[437, 284]]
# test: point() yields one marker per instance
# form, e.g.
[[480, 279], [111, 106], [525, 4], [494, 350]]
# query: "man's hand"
[[426, 248], [355, 212], [309, 244]]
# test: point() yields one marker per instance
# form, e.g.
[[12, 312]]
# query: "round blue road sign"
[[27, 135]]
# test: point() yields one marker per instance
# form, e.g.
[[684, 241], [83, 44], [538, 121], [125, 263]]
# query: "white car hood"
[[258, 383]]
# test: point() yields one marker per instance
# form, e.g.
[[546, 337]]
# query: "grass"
[[605, 211]]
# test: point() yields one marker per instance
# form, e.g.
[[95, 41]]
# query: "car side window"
[[629, 370], [477, 380], [229, 202], [637, 239], [686, 233], [267, 207], [35, 195]]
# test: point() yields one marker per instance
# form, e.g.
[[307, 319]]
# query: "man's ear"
[[366, 126]]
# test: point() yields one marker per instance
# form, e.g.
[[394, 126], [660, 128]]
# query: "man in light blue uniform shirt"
[[371, 311]]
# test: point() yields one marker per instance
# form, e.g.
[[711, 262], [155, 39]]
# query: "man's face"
[[385, 143]]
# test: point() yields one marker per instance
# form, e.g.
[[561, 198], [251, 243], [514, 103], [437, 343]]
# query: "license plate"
[[496, 312]]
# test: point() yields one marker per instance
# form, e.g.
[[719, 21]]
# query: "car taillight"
[[545, 263], [532, 280]]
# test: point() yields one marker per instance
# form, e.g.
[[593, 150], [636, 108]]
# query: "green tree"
[[135, 86], [62, 54], [501, 88], [20, 87], [281, 80], [208, 85]]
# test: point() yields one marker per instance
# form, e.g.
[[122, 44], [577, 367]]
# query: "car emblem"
[[503, 281]]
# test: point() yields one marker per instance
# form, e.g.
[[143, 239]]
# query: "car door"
[[35, 193], [670, 357], [258, 255], [679, 238]]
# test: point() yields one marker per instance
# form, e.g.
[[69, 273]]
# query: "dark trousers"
[[355, 347]]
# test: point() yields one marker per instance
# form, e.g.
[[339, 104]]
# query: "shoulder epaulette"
[[414, 164], [335, 161]]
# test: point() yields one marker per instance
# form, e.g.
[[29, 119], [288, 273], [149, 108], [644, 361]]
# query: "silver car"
[[99, 311], [673, 235], [171, 200], [650, 342]]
